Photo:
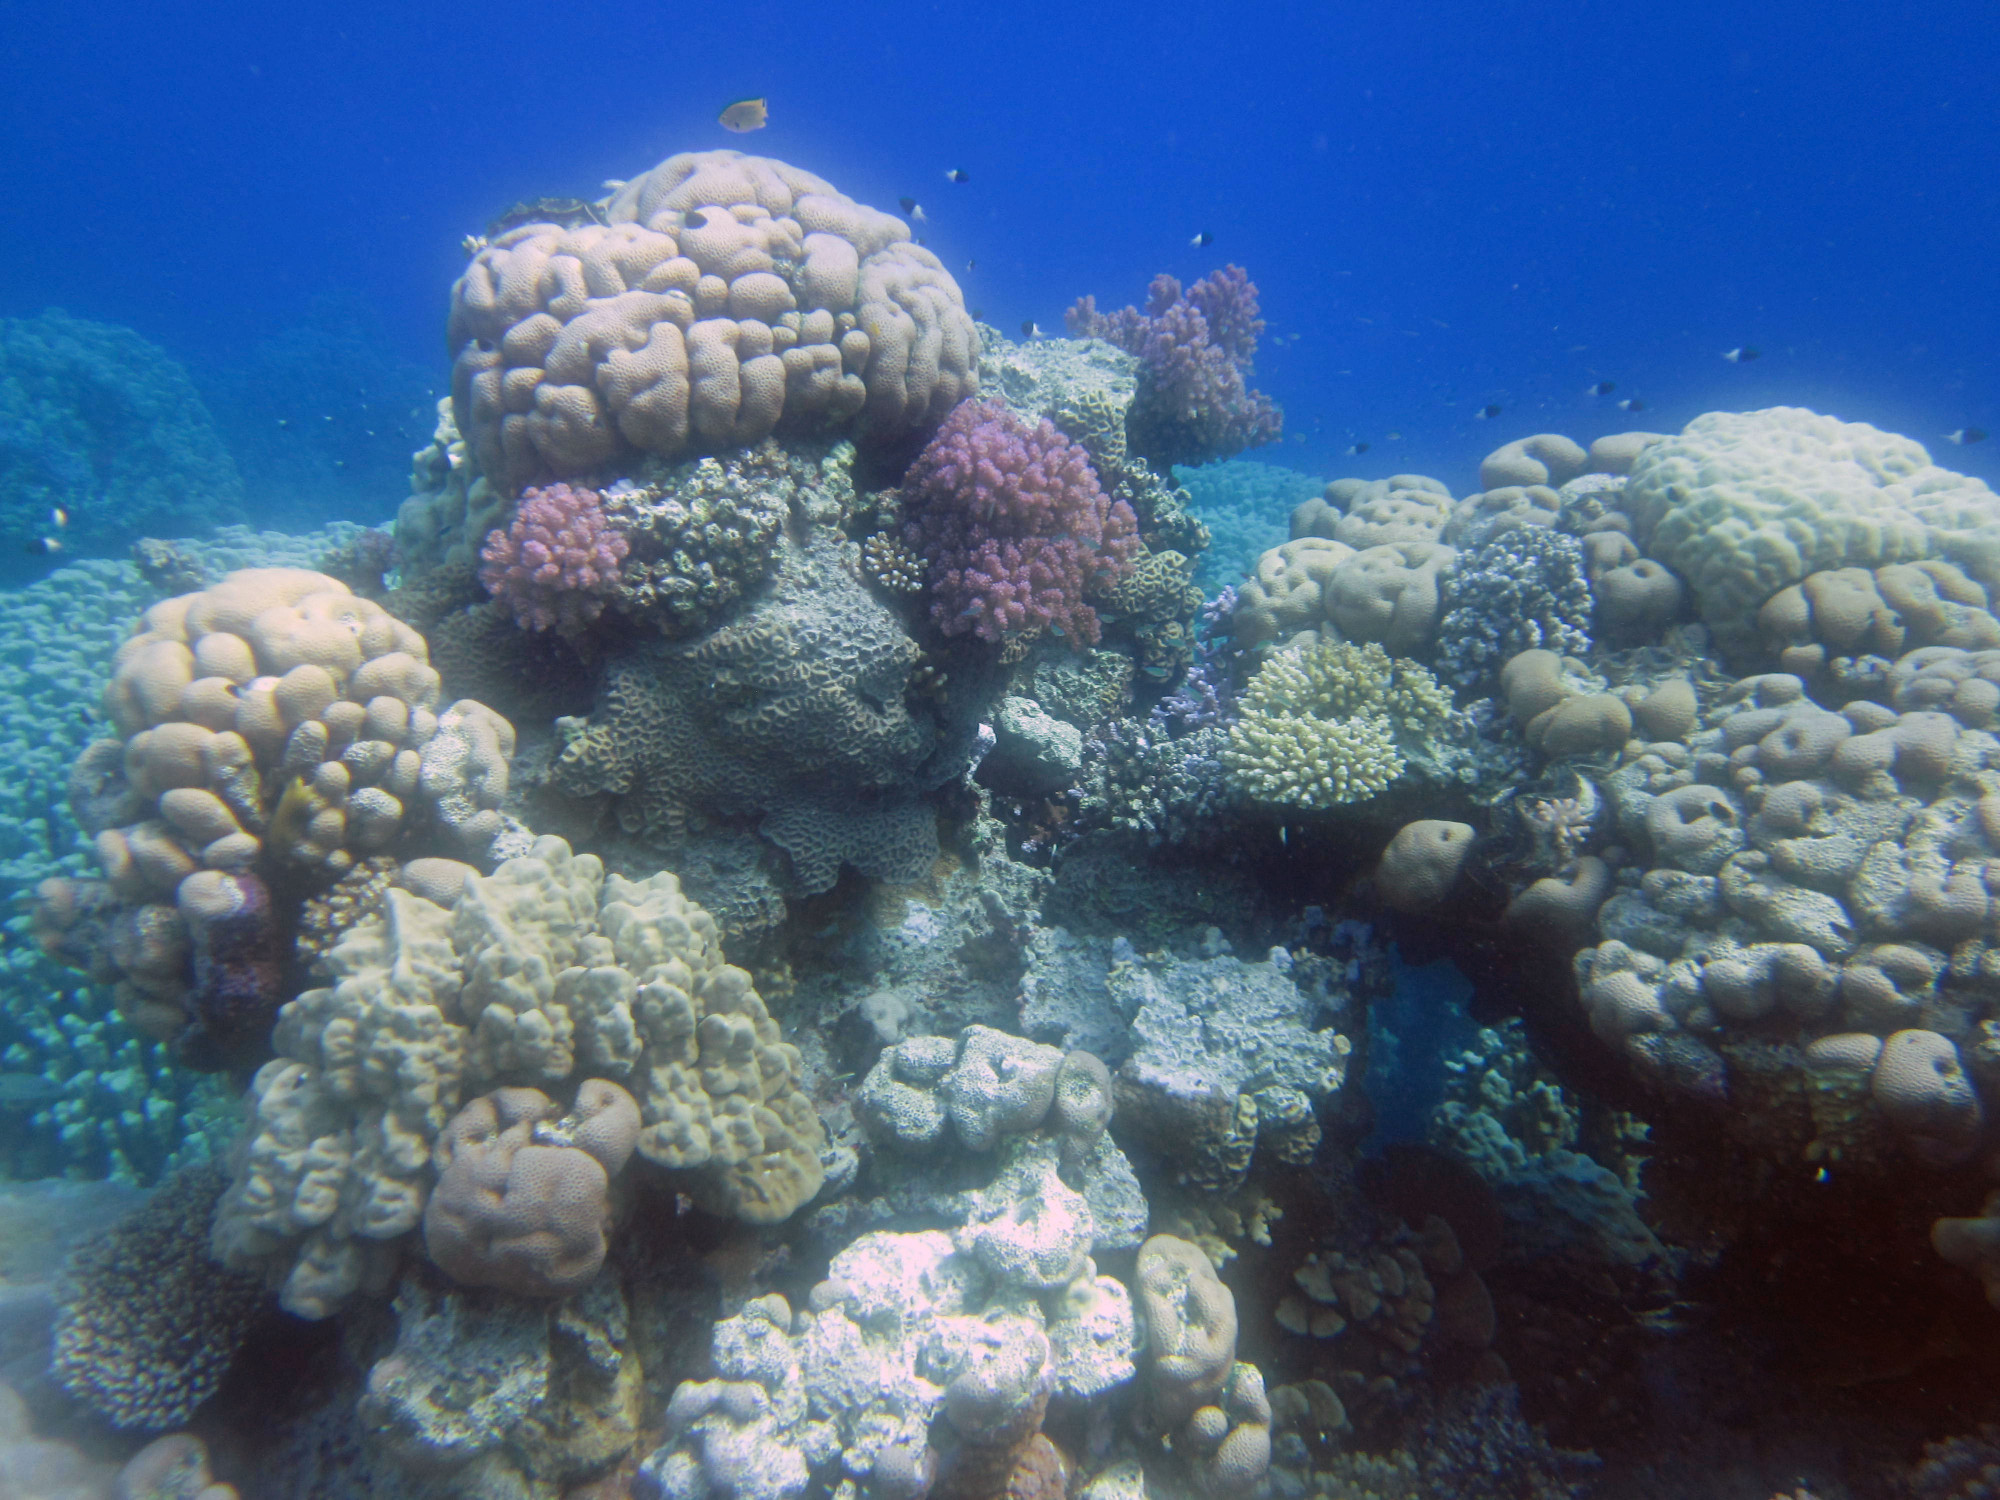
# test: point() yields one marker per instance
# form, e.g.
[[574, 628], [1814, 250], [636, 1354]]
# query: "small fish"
[[43, 546], [472, 244], [58, 518], [979, 315], [971, 265], [956, 174], [613, 184], [745, 114], [1741, 356], [977, 606], [1203, 240], [1486, 413], [913, 208], [1395, 437], [1602, 388], [1631, 403], [1029, 330], [1355, 450], [1966, 435]]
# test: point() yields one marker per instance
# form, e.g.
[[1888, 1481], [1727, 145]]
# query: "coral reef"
[[797, 714], [1194, 346], [715, 296], [703, 533], [1012, 528], [150, 1323], [1524, 590], [1243, 502]]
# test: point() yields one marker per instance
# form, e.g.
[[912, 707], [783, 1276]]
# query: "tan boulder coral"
[[544, 970], [1376, 512], [721, 295], [277, 731], [1422, 862], [1211, 1404], [1558, 715], [1887, 612], [523, 1193], [1547, 458], [1744, 505]]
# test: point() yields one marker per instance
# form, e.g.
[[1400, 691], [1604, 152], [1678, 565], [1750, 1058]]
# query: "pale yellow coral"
[[1321, 724]]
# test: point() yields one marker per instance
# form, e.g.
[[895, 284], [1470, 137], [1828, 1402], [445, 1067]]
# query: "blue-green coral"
[[1247, 507], [103, 425]]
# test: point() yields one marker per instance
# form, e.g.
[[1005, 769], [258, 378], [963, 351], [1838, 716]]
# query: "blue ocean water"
[[1445, 205], [1467, 223]]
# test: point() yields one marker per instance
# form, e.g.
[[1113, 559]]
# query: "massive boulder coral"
[[720, 296], [544, 970], [523, 1192], [276, 729], [1211, 1404], [1744, 505], [1816, 882]]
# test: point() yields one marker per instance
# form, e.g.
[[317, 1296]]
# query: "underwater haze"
[[1007, 752]]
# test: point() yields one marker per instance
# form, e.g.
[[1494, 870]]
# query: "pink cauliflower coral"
[[1013, 527], [557, 563]]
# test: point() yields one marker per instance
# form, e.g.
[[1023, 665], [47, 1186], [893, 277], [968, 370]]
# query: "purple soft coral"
[[554, 566], [1013, 527], [1194, 348]]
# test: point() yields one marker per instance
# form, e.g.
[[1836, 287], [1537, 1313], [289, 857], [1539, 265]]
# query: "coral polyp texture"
[[1195, 346], [1013, 528], [543, 971], [720, 298], [557, 561]]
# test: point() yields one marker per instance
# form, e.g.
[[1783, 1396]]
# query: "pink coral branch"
[[1013, 527], [558, 561]]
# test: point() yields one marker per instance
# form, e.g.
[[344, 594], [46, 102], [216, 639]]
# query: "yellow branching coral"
[[1323, 725]]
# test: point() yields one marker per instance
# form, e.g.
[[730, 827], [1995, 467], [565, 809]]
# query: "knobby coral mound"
[[276, 729], [1194, 348], [541, 971], [717, 297], [1013, 528], [1746, 504]]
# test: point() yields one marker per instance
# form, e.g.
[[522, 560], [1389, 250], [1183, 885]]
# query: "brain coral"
[[723, 295], [543, 970], [1745, 504]]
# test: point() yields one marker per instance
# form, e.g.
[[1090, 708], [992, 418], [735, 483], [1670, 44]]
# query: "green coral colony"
[[747, 969]]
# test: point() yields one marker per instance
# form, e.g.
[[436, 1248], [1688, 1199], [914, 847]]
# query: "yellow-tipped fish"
[[746, 114]]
